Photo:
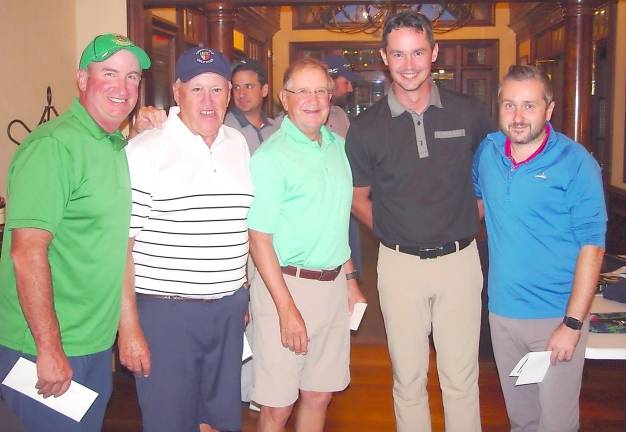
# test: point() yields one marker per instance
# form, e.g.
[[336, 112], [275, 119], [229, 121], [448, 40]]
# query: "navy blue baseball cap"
[[251, 65], [198, 60], [339, 66]]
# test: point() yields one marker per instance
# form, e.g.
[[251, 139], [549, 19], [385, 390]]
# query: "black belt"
[[432, 252], [176, 298], [319, 275]]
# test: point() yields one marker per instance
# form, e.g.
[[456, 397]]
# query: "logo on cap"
[[122, 40], [204, 56]]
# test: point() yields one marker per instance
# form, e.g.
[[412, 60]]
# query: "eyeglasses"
[[302, 93]]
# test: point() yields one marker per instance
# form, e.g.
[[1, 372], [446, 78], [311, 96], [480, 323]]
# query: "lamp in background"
[[369, 18]]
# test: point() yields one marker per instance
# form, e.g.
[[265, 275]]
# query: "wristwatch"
[[351, 275], [572, 323]]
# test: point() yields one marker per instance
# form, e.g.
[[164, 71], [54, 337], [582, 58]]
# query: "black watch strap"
[[572, 323]]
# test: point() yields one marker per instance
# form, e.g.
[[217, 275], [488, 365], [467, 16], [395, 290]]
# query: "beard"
[[343, 100], [523, 133]]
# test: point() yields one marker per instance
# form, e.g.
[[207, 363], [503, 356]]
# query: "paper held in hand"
[[531, 368], [357, 315], [74, 403], [247, 351]]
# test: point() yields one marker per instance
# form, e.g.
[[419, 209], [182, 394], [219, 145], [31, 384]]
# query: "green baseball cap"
[[105, 45]]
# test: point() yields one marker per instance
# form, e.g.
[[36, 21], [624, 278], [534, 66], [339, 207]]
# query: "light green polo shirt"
[[302, 196], [70, 177]]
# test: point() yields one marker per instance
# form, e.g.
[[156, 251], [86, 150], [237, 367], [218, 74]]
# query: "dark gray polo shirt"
[[419, 167], [254, 136]]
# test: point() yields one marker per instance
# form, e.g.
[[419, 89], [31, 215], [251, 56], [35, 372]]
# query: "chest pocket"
[[455, 133], [453, 149]]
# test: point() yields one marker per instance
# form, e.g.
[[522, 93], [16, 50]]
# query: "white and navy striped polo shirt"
[[189, 214]]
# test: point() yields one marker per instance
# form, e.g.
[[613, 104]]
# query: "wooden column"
[[578, 67], [135, 13], [221, 23]]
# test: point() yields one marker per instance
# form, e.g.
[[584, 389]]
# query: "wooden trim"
[[252, 22], [136, 32], [607, 168], [527, 21], [134, 10], [624, 173], [616, 227]]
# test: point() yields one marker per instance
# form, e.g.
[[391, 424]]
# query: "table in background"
[[606, 346]]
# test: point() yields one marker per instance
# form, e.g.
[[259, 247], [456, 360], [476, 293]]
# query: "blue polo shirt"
[[538, 216]]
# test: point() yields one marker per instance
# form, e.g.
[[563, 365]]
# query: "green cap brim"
[[88, 56], [142, 56]]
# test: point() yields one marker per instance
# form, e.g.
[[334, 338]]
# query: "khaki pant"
[[442, 294], [280, 374]]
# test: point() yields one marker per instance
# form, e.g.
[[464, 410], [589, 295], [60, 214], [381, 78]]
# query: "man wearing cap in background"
[[62, 263], [181, 330], [340, 70], [250, 88]]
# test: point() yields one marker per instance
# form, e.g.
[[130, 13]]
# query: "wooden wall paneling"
[[616, 229]]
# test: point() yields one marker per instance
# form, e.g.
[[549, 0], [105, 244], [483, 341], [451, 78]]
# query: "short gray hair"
[[304, 63]]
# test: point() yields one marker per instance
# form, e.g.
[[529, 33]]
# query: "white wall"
[[41, 43]]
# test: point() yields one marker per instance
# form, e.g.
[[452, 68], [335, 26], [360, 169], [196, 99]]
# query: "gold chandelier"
[[370, 18]]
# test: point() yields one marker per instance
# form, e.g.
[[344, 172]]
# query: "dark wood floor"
[[367, 406]]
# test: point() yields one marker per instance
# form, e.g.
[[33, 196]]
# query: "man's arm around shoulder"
[[147, 118], [29, 254]]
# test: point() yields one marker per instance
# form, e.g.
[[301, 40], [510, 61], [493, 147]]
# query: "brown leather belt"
[[175, 298], [433, 252], [320, 275]]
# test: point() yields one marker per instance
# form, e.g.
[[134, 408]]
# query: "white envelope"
[[247, 351], [357, 315], [74, 403], [531, 368]]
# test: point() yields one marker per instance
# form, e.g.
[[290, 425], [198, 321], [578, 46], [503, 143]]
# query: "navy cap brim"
[[351, 76]]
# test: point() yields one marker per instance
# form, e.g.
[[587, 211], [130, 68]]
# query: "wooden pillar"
[[137, 33], [221, 23], [135, 15], [578, 68]]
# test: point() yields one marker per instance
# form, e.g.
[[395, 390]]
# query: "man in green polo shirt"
[[64, 250], [299, 241]]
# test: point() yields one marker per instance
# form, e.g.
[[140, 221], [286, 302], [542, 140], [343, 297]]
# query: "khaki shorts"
[[279, 373]]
